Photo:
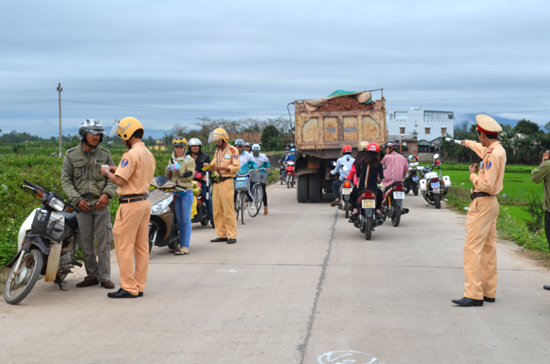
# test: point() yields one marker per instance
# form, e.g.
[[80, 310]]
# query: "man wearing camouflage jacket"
[[91, 192]]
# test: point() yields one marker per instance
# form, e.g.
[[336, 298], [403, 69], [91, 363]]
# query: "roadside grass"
[[512, 220]]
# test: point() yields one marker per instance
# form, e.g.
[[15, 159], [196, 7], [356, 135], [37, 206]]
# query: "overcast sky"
[[168, 62]]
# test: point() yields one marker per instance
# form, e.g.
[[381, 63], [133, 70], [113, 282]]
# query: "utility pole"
[[59, 89]]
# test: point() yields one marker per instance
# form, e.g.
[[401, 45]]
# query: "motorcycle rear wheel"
[[396, 217], [368, 227], [437, 201], [346, 208], [32, 260], [415, 189]]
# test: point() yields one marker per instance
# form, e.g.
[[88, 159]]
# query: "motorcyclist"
[[347, 161], [281, 161], [291, 156], [195, 146], [91, 192], [246, 147], [369, 172], [262, 162], [247, 163], [396, 166]]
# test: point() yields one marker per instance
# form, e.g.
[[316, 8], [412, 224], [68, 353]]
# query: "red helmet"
[[346, 149], [373, 147]]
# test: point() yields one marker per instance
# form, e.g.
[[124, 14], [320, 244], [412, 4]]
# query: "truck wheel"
[[302, 190], [314, 188]]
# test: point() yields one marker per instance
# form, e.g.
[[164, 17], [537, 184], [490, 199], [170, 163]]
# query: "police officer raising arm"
[[480, 255], [91, 192], [226, 160], [133, 177]]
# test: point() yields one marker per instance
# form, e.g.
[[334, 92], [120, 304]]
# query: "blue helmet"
[[293, 150]]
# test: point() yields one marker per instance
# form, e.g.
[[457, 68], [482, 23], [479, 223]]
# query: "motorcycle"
[[47, 244], [163, 226], [392, 203], [202, 212], [433, 186], [290, 177], [345, 190], [366, 207], [411, 180]]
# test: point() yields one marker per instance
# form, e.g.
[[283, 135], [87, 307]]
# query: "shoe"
[[122, 294], [379, 216], [88, 281], [488, 299], [108, 284], [354, 217], [231, 241], [140, 294], [467, 302], [182, 250], [334, 203], [547, 287], [218, 240]]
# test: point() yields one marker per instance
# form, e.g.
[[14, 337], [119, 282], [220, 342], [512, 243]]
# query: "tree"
[[269, 132], [546, 127], [526, 127]]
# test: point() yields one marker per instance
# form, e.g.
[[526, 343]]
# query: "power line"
[[25, 103], [170, 109]]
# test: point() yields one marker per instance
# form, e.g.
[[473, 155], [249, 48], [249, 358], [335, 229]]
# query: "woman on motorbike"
[[201, 158], [183, 198], [368, 171]]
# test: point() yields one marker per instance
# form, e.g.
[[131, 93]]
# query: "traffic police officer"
[[480, 255], [226, 165], [133, 176]]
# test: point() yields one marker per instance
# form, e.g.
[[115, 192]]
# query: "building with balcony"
[[428, 125]]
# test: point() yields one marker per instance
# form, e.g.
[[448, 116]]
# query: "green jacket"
[[187, 165], [542, 173], [81, 176]]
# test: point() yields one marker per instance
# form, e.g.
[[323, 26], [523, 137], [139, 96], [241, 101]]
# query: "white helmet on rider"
[[93, 127], [256, 148], [194, 142]]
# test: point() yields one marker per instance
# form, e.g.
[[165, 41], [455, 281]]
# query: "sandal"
[[182, 250]]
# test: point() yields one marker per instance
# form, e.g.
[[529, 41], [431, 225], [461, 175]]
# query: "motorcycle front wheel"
[[288, 180], [21, 282], [437, 201]]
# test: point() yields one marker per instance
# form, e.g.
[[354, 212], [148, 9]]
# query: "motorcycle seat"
[[70, 220]]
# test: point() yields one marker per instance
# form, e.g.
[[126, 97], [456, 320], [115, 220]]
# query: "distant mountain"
[[470, 119]]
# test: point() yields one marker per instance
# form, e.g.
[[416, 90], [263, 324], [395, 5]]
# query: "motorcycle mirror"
[[187, 174], [436, 156], [333, 163]]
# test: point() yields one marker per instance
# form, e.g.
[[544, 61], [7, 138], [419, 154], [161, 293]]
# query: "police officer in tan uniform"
[[133, 176], [480, 255], [226, 160]]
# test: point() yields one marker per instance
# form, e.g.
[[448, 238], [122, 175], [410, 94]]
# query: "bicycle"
[[256, 190], [242, 185]]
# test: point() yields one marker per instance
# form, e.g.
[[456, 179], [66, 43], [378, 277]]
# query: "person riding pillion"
[[133, 177], [261, 162], [183, 199], [195, 146], [226, 164], [345, 161], [91, 192]]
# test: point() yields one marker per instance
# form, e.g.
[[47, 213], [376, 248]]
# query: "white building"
[[428, 124]]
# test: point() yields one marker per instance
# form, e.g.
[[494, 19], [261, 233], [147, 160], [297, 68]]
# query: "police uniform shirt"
[[137, 168], [491, 173], [229, 158]]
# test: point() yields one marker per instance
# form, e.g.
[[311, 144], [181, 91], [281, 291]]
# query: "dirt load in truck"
[[323, 126]]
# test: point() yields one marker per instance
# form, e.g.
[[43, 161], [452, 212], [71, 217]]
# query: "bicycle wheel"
[[237, 205], [254, 206], [243, 199]]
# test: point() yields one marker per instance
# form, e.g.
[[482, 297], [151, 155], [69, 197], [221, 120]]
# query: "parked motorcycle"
[[202, 212], [290, 177], [366, 207], [411, 180], [47, 244], [392, 204], [163, 226], [433, 186]]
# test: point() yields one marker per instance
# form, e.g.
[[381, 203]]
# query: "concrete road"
[[302, 285]]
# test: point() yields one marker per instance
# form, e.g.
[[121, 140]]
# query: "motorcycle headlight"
[[56, 204], [161, 206]]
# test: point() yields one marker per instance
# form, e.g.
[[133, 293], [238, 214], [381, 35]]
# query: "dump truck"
[[320, 134]]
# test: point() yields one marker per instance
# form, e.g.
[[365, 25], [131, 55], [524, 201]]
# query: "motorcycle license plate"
[[399, 195], [435, 184], [415, 178], [368, 204], [346, 191]]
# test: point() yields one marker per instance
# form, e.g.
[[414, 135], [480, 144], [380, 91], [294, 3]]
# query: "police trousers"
[[480, 249], [225, 220], [131, 233]]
